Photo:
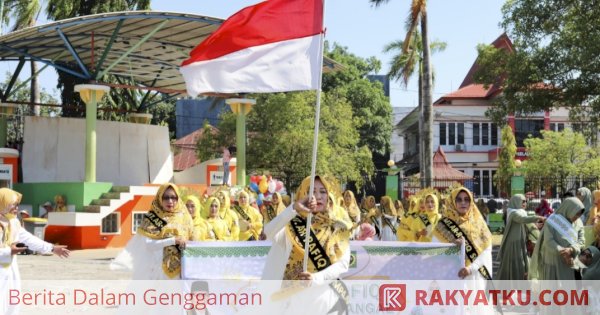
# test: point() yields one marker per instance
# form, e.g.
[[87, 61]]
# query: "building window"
[[460, 133], [557, 127], [485, 134], [442, 133], [455, 132], [136, 221], [494, 131], [111, 224], [483, 183], [476, 183], [526, 127]]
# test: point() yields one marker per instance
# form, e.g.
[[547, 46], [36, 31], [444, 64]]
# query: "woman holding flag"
[[329, 256]]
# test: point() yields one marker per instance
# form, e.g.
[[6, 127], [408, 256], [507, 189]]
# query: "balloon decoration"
[[254, 187], [263, 186], [259, 199], [271, 187]]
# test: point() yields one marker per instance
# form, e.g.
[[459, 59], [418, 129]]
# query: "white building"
[[470, 139]]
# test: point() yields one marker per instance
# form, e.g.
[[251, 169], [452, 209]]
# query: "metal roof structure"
[[146, 47]]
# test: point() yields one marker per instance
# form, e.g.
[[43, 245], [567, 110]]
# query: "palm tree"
[[404, 66], [418, 13], [25, 13]]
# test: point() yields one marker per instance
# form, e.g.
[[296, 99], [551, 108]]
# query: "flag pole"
[[313, 165]]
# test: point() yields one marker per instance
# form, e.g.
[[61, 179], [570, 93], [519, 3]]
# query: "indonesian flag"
[[273, 46]]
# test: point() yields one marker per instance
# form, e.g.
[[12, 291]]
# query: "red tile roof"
[[468, 88], [443, 170], [187, 146]]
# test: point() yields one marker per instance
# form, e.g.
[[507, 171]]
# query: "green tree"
[[506, 161], [370, 107], [16, 122], [557, 156], [418, 14], [25, 13], [555, 59], [280, 133], [206, 147]]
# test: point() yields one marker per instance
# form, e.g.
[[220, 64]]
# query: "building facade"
[[471, 140]]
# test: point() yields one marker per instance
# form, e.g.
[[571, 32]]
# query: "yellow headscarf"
[[594, 211], [352, 207], [225, 205], [178, 224], [335, 242], [8, 197], [471, 223], [271, 211], [197, 217], [388, 207]]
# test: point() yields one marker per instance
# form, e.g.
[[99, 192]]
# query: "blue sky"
[[364, 29]]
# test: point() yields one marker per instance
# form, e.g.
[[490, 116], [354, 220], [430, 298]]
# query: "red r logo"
[[392, 297]]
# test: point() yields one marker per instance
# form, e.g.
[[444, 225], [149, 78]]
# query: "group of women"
[[560, 252]]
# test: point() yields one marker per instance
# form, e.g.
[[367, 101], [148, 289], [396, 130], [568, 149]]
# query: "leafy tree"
[[370, 107], [16, 122], [206, 147], [506, 160], [559, 155], [280, 135], [555, 59], [418, 14]]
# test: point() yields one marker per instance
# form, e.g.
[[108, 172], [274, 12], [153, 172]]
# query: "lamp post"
[[517, 181], [91, 94], [241, 107]]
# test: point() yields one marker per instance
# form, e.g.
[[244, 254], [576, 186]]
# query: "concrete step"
[[92, 209], [120, 189], [100, 202], [110, 195]]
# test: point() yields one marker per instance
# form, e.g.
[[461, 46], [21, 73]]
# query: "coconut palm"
[[418, 13], [404, 65], [25, 13]]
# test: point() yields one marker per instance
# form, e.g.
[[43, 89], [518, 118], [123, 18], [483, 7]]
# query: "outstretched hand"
[[61, 251]]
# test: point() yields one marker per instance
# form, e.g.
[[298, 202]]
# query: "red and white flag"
[[273, 46]]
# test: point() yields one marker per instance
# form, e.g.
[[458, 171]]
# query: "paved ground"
[[91, 264]]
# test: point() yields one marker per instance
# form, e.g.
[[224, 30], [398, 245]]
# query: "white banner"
[[369, 260]]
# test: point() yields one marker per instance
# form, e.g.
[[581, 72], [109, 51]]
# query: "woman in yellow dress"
[[228, 215], [271, 210], [404, 232], [154, 253], [250, 219], [373, 215], [426, 220], [351, 207], [201, 227], [219, 229]]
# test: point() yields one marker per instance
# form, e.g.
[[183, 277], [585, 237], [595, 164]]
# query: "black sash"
[[320, 260], [389, 223], [242, 213], [472, 254], [271, 212], [157, 221], [425, 220]]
